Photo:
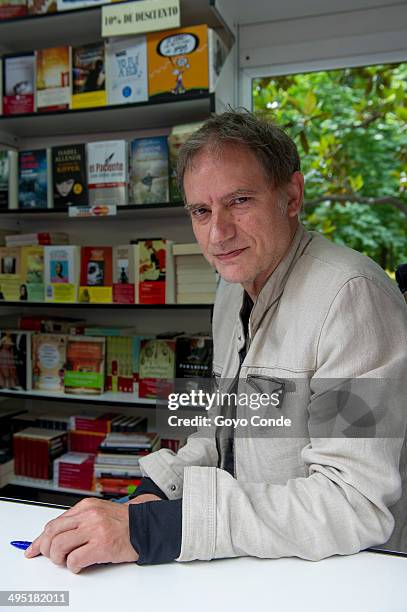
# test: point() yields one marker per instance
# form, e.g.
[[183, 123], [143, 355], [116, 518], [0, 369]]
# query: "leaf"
[[304, 141], [401, 112], [310, 103]]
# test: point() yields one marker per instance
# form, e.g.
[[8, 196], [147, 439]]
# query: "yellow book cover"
[[53, 79], [178, 61], [32, 272], [88, 76], [11, 287], [94, 295], [61, 273]]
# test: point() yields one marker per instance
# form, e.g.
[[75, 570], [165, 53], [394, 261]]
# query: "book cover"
[[32, 272], [34, 174], [108, 173], [217, 53], [178, 62], [178, 135], [88, 76], [41, 7], [119, 364], [155, 272], [85, 364], [148, 180], [8, 179], [61, 273], [96, 274], [15, 360], [18, 84], [69, 5], [53, 76], [124, 277], [126, 70], [69, 176], [10, 9], [48, 362], [11, 287], [41, 238], [157, 367], [194, 356]]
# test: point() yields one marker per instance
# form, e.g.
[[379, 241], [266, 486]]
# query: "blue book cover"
[[149, 182], [33, 171]]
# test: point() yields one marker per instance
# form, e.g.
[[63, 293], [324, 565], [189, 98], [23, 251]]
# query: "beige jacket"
[[325, 313]]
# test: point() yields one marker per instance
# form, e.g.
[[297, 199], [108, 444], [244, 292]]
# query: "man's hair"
[[274, 149]]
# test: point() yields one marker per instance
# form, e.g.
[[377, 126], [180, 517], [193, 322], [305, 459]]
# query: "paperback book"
[[10, 9], [69, 176], [53, 75], [88, 76], [126, 70], [48, 357], [32, 272], [124, 274], [157, 367], [178, 135], [149, 170], [96, 274], [11, 287], [108, 173], [155, 277], [18, 84], [8, 179], [15, 360], [61, 273], [41, 7], [85, 364], [34, 179]]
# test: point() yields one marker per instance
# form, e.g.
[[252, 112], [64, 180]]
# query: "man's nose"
[[222, 227]]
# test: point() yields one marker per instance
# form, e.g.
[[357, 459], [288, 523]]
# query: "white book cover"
[[8, 179], [217, 53], [108, 173], [71, 5], [126, 70], [61, 273]]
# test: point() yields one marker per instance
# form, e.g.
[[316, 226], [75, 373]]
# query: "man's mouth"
[[230, 254]]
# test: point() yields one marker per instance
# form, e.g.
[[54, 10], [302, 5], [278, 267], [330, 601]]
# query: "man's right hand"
[[146, 497]]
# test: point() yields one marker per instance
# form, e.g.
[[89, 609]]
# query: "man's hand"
[[146, 497], [92, 531]]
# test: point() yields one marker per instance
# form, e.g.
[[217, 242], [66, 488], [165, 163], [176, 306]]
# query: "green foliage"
[[350, 127]]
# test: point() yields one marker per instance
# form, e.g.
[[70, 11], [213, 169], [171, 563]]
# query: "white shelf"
[[108, 397], [48, 485]]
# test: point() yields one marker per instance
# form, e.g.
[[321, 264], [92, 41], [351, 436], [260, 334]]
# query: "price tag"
[[138, 17]]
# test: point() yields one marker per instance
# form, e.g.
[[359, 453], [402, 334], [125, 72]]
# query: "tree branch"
[[359, 200]]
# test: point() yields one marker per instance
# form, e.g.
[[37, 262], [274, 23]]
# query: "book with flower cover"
[[88, 76], [19, 83], [48, 362], [53, 78]]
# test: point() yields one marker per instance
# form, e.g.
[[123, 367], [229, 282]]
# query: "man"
[[294, 313]]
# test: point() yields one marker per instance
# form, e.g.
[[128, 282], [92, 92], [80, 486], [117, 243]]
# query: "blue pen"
[[22, 545]]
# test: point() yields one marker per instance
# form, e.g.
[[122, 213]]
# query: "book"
[[124, 274], [157, 367], [53, 78], [34, 179], [217, 53], [96, 274], [39, 238], [11, 288], [8, 179], [35, 450], [88, 76], [48, 362], [119, 364], [194, 355], [47, 324], [10, 9], [83, 441], [32, 272], [178, 135], [18, 84], [126, 70], [61, 273], [41, 7], [155, 276], [53, 421], [69, 176], [108, 172], [15, 360], [69, 5], [96, 423], [85, 363], [74, 471], [178, 62], [148, 176]]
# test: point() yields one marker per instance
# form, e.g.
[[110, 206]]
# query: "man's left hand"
[[92, 531]]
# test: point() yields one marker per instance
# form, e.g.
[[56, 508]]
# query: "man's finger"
[[42, 543], [83, 557], [65, 543]]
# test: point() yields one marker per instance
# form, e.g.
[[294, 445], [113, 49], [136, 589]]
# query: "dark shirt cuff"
[[156, 530], [148, 486]]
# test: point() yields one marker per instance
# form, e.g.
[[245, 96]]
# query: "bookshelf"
[[39, 130]]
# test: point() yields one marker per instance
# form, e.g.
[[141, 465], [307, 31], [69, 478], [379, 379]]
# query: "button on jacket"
[[326, 314]]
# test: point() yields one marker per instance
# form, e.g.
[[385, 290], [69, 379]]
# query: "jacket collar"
[[274, 286]]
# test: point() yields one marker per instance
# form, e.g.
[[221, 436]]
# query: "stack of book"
[[196, 280], [74, 471], [35, 450]]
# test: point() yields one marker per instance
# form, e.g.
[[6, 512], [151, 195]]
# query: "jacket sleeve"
[[342, 505]]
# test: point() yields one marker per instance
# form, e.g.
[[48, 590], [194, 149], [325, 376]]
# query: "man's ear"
[[295, 194]]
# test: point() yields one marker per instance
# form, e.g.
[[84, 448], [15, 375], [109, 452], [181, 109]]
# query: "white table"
[[363, 582]]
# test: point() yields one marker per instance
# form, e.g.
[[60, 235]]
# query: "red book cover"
[[85, 442], [11, 10], [96, 266]]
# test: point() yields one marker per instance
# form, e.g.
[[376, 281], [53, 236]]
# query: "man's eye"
[[199, 212], [241, 200]]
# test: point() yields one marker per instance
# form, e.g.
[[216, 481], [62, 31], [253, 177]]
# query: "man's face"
[[236, 217]]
